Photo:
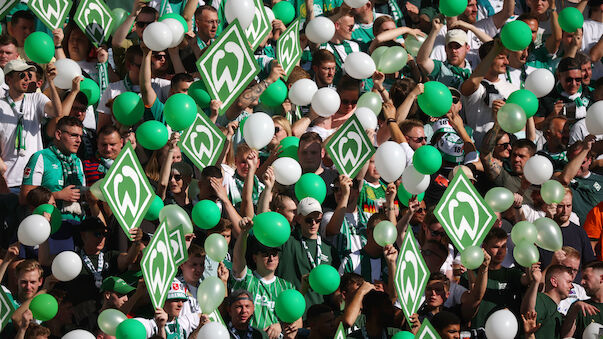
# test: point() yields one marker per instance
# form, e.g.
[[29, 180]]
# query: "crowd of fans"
[[54, 146]]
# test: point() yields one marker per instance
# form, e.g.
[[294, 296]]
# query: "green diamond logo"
[[158, 266], [411, 276], [6, 309], [178, 245], [95, 20], [202, 142], [350, 147], [426, 331], [51, 12], [6, 6], [260, 27], [288, 49]]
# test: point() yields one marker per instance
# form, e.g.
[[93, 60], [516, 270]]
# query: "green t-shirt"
[[448, 74], [320, 7], [548, 316], [372, 198], [587, 193], [582, 321], [44, 169], [264, 295], [503, 290]]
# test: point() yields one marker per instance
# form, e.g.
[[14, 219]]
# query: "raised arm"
[[572, 167], [247, 194], [231, 211], [146, 89], [471, 85], [552, 42], [529, 300], [393, 34], [266, 195], [54, 107], [404, 108], [240, 247], [467, 26], [334, 225], [166, 167], [122, 31], [389, 113], [424, 55], [471, 300], [504, 14]]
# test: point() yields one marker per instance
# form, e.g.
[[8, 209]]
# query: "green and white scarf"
[[19, 130], [69, 167]]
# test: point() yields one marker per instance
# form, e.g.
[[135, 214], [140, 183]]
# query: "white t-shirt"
[[592, 33], [161, 87], [456, 292], [576, 293], [579, 131], [187, 322], [33, 111]]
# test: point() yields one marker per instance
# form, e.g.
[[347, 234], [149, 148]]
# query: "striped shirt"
[[352, 234]]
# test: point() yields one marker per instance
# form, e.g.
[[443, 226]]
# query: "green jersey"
[[582, 321], [371, 269], [450, 75], [320, 7], [587, 193], [372, 198], [45, 169], [264, 294], [548, 316]]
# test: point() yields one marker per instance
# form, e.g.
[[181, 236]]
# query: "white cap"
[[308, 205], [177, 291], [17, 65], [456, 35]]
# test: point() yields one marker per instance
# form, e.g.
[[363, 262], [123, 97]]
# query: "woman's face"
[[78, 45], [502, 149], [176, 182], [279, 134]]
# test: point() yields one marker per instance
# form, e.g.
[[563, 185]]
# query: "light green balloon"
[[393, 60], [176, 216], [216, 247], [524, 231], [552, 192], [95, 189], [472, 257], [378, 54], [549, 234], [499, 199], [526, 254], [109, 319], [210, 294], [413, 45], [385, 233], [372, 101], [511, 118]]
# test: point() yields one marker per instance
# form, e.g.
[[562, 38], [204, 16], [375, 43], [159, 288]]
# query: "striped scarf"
[[69, 167]]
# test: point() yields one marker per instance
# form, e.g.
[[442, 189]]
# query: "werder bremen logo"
[[260, 26], [6, 309], [5, 7], [228, 66], [464, 214], [411, 276], [426, 331], [288, 50], [178, 246], [158, 267], [340, 334], [202, 142], [95, 20], [51, 12], [350, 148], [127, 190]]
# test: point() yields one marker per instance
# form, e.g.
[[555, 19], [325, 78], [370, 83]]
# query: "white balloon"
[[390, 160], [258, 130], [540, 82], [244, 10], [177, 31], [67, 69], [79, 334], [213, 330], [594, 118], [367, 118], [66, 266], [538, 169], [592, 331], [302, 91], [320, 30], [33, 230], [287, 171], [270, 14], [326, 102], [501, 325], [414, 181], [355, 3], [359, 65], [157, 36]]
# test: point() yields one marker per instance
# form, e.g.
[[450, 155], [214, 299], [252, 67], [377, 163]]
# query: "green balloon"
[[393, 60], [385, 233], [516, 35], [404, 197], [378, 54], [39, 47], [95, 189], [552, 192], [427, 159], [198, 92], [284, 11], [275, 94], [549, 234], [570, 19], [271, 229], [152, 135], [524, 231], [119, 16], [289, 147], [180, 111], [403, 335], [371, 100], [206, 214], [324, 279], [452, 7], [177, 17], [175, 216], [511, 118], [128, 108], [43, 307], [90, 88], [130, 329], [526, 99], [153, 211], [109, 319], [290, 305], [436, 99], [472, 257], [210, 294], [216, 247], [311, 185], [526, 254], [499, 199], [55, 216]]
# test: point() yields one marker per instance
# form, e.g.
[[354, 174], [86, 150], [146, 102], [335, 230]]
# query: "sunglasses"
[[310, 220], [349, 102], [437, 233], [176, 177], [276, 129], [159, 56], [569, 80], [455, 100], [23, 75], [421, 210], [418, 139], [100, 234], [142, 24], [504, 145]]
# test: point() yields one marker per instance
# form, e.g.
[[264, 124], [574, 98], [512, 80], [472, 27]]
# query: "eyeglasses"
[[212, 22], [159, 56], [437, 233], [176, 177], [349, 102], [455, 100], [142, 24], [72, 135], [270, 254], [276, 129], [23, 75], [418, 139], [569, 80], [504, 145], [311, 221], [100, 234]]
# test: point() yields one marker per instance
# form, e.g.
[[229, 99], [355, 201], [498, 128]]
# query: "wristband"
[[58, 47], [390, 120]]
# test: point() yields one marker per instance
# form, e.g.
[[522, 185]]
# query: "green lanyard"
[[176, 330], [20, 132]]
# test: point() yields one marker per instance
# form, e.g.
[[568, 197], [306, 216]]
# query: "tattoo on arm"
[[494, 166], [252, 94]]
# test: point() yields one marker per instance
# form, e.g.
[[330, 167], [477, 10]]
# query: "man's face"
[[455, 53], [434, 256], [416, 138], [563, 282], [349, 98], [22, 29], [8, 53], [499, 65], [94, 240], [564, 210], [435, 293], [181, 87], [533, 23], [70, 138], [117, 300], [289, 210], [159, 60], [435, 232], [325, 72], [310, 223], [344, 27], [29, 283], [19, 81], [591, 281], [538, 7], [571, 81], [452, 331], [470, 13], [519, 156], [207, 24], [585, 167], [558, 133], [134, 68], [386, 26], [173, 307], [371, 171], [587, 73], [142, 21], [241, 311], [110, 145], [192, 269], [497, 249], [419, 216], [227, 234], [310, 156], [573, 264], [266, 261], [518, 58], [242, 164]]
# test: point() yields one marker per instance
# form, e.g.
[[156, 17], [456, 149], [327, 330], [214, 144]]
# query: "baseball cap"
[[442, 125], [17, 65], [308, 205], [91, 224], [456, 35], [116, 284], [451, 147], [177, 291], [465, 169]]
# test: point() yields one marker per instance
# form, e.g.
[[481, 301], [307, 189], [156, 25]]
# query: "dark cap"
[[568, 64], [255, 246], [91, 224]]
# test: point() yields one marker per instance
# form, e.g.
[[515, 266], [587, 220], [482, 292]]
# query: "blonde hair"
[[277, 119], [28, 266]]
